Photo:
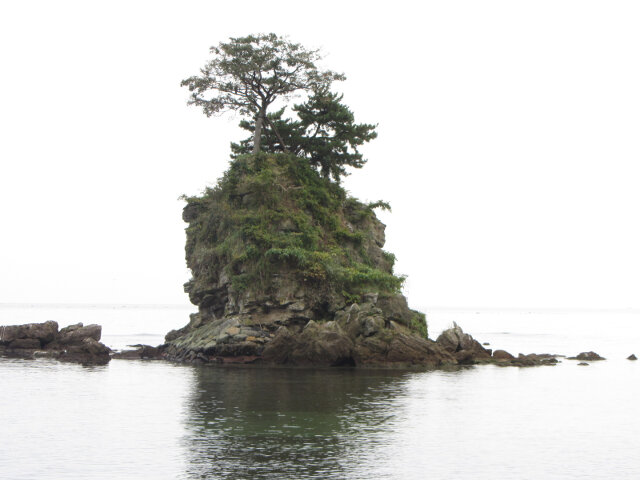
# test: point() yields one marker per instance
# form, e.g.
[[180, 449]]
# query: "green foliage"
[[389, 257], [241, 282], [419, 324], [360, 275], [247, 74], [381, 204], [276, 213], [325, 134]]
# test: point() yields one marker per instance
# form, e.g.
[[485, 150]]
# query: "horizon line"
[[535, 309], [425, 308], [95, 304]]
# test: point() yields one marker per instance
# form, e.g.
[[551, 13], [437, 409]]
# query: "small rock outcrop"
[[140, 352], [632, 357], [587, 357], [464, 348], [467, 351], [76, 343], [502, 355]]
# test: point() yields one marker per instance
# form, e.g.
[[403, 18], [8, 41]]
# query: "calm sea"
[[155, 420]]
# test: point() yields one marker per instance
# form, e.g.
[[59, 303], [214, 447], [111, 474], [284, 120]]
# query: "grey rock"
[[74, 343], [587, 356], [502, 355], [25, 343], [462, 345], [44, 332], [371, 297], [78, 333], [297, 307]]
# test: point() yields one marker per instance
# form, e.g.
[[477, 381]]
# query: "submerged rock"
[[141, 352], [535, 359], [75, 343]]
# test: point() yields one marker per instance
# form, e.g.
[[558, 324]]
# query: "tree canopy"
[[325, 133], [247, 74]]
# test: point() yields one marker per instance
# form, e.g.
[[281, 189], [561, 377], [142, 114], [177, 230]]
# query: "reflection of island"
[[286, 423]]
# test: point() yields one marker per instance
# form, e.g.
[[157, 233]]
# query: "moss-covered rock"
[[287, 268]]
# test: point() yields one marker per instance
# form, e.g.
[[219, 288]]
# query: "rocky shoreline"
[[315, 345]]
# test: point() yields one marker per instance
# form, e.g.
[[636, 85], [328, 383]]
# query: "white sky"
[[508, 143]]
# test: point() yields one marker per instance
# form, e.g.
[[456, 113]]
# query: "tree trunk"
[[275, 130], [257, 134]]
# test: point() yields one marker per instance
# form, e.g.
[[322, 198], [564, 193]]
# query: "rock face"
[[75, 343], [287, 269], [355, 335]]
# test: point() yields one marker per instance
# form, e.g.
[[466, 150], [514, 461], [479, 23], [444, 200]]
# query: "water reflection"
[[289, 423]]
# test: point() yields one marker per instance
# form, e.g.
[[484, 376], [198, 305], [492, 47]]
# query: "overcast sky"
[[508, 143]]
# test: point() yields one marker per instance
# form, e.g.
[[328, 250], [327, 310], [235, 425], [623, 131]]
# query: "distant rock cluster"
[[468, 351], [75, 343]]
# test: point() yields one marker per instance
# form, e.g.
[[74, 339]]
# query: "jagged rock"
[[632, 357], [587, 356], [74, 343], [462, 346], [409, 349], [74, 334], [395, 308], [316, 345], [89, 352], [43, 332]]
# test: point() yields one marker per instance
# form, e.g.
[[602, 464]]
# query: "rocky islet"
[[76, 343]]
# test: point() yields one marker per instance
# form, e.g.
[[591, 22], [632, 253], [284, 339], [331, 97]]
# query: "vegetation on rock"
[[274, 213], [248, 74], [325, 134], [287, 267]]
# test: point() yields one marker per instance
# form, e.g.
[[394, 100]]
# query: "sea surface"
[[157, 420]]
